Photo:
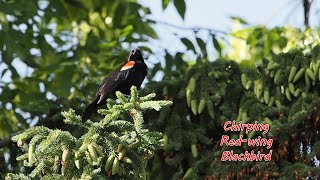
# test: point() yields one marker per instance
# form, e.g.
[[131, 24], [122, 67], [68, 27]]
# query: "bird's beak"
[[135, 54]]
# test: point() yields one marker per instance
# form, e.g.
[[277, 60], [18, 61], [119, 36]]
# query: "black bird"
[[130, 73]]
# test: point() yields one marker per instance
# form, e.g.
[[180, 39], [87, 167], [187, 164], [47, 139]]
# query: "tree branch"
[[185, 28]]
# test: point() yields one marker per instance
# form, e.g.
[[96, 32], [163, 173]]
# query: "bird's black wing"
[[111, 84], [108, 86]]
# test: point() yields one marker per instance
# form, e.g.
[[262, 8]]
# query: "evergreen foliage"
[[192, 129], [67, 47], [112, 147], [237, 92]]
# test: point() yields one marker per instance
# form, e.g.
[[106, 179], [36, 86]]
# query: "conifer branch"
[[110, 147]]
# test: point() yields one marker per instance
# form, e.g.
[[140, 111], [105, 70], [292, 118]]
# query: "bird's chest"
[[137, 76], [133, 77]]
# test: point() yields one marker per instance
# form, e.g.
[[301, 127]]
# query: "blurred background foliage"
[[55, 53]]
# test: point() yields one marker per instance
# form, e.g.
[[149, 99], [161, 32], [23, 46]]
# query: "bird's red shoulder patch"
[[128, 65]]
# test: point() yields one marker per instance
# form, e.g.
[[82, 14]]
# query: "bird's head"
[[135, 55]]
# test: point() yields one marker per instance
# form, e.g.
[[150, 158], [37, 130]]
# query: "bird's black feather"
[[121, 80]]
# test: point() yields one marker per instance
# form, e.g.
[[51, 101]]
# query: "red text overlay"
[[233, 126], [256, 141]]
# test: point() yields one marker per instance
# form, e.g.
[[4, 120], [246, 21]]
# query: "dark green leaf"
[[165, 4], [242, 21], [119, 14], [181, 7], [62, 81], [3, 72], [202, 46], [9, 94], [188, 44], [76, 4], [148, 30], [282, 42], [216, 44], [169, 63], [146, 48]]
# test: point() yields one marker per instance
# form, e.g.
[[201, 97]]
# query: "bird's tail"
[[91, 108]]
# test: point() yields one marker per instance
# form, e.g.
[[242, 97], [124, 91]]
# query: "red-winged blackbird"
[[130, 73]]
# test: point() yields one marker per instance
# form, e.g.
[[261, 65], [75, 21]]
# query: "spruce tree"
[[115, 146]]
